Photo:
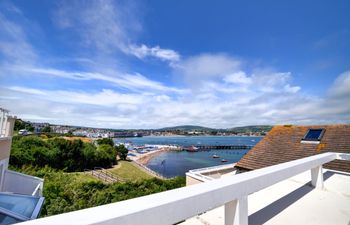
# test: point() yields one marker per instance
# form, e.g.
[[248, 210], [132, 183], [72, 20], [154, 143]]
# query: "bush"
[[59, 153], [105, 141], [122, 151]]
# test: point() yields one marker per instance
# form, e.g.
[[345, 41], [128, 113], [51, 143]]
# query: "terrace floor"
[[294, 201]]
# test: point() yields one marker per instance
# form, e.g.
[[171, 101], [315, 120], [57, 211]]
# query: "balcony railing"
[[3, 121], [23, 184], [177, 205]]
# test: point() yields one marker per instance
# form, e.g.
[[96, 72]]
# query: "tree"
[[46, 129], [122, 151], [105, 155], [105, 141], [20, 124]]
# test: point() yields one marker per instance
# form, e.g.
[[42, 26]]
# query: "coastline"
[[145, 158], [142, 160]]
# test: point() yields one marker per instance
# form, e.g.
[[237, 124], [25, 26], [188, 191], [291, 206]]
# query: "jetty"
[[216, 147]]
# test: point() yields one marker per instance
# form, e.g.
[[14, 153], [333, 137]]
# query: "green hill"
[[247, 129], [185, 128]]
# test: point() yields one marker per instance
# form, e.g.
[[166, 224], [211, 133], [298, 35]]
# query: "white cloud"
[[219, 90], [144, 51], [134, 82], [104, 25], [291, 89], [239, 77], [13, 43], [341, 86], [208, 65], [109, 27], [213, 108]]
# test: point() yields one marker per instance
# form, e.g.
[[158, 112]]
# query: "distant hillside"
[[247, 129], [185, 128]]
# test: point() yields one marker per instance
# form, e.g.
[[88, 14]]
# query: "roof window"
[[313, 136]]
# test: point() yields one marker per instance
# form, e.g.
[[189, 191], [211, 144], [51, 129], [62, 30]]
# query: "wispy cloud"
[[14, 46], [104, 25], [134, 82], [97, 89], [163, 54], [109, 27], [109, 108]]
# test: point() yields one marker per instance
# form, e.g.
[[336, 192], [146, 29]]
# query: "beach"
[[145, 158], [141, 161]]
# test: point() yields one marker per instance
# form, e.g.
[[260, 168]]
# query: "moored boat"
[[191, 149], [216, 156]]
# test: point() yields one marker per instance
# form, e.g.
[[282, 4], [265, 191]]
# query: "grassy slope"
[[128, 172]]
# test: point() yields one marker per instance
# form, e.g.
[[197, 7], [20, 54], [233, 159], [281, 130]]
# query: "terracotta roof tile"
[[283, 144]]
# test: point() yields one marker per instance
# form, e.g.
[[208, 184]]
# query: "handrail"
[[179, 204], [36, 190], [103, 174], [3, 121]]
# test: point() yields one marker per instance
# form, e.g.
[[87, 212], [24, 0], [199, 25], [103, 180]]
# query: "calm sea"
[[171, 164]]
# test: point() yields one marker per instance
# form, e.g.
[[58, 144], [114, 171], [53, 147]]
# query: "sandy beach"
[[145, 158], [142, 159]]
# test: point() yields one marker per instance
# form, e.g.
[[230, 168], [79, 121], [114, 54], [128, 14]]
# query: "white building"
[[20, 194]]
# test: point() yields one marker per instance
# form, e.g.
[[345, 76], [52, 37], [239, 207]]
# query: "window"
[[313, 135]]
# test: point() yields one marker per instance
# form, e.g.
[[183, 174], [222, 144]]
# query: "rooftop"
[[285, 143], [279, 194], [294, 201]]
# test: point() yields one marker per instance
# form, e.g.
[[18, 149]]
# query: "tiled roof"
[[283, 144]]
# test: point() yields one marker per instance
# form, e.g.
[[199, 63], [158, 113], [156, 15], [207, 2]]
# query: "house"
[[288, 142], [20, 194]]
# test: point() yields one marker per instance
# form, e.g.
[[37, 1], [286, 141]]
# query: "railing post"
[[317, 177], [236, 212]]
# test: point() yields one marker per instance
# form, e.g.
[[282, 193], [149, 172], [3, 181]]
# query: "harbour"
[[175, 155]]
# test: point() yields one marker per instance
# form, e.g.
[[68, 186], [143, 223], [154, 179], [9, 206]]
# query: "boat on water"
[[224, 160], [191, 149], [216, 156]]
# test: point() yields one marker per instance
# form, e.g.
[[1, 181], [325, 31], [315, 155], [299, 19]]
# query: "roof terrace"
[[279, 194]]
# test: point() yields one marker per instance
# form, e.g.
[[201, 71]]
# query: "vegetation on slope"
[[65, 192], [248, 129], [127, 171], [59, 153]]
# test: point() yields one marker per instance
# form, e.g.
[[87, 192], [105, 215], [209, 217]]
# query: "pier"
[[216, 147]]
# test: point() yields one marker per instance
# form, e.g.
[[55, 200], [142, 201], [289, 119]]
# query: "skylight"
[[313, 135]]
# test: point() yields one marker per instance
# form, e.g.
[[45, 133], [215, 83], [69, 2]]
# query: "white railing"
[[199, 174], [20, 183], [212, 168], [177, 205], [3, 121], [37, 191]]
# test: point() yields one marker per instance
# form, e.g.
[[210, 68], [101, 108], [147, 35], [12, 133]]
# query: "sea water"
[[177, 163]]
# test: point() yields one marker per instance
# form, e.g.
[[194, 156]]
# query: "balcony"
[[227, 199], [19, 183]]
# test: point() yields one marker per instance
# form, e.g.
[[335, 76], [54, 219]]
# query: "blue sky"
[[150, 64]]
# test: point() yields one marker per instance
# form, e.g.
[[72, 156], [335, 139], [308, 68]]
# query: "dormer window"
[[313, 136]]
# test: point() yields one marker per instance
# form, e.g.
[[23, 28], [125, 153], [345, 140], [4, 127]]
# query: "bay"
[[177, 163]]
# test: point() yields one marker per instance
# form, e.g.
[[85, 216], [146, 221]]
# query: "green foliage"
[[248, 129], [46, 129], [59, 153], [105, 154], [64, 192], [122, 151], [105, 141], [20, 124]]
